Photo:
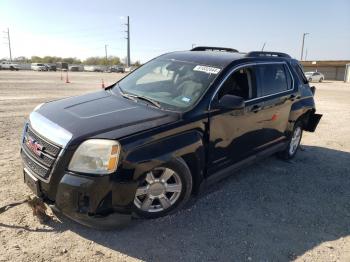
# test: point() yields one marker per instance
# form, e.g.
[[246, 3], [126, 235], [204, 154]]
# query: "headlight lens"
[[96, 156]]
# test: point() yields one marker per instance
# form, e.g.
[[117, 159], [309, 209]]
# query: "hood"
[[99, 113]]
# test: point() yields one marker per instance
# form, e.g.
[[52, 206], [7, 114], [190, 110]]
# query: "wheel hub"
[[156, 189]]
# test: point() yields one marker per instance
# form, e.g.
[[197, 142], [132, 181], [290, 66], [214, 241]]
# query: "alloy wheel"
[[295, 141], [160, 190]]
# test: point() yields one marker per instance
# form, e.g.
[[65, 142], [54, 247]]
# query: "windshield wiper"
[[135, 97], [155, 103]]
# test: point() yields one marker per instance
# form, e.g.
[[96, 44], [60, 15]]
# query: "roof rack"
[[213, 48], [268, 54]]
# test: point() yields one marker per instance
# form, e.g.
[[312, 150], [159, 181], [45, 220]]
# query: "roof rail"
[[213, 48], [268, 54]]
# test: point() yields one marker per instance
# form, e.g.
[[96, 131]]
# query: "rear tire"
[[164, 190], [321, 79], [293, 142]]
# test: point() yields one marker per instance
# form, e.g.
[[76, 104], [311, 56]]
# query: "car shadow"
[[272, 211]]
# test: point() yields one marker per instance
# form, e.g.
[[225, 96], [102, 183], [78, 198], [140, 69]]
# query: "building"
[[332, 70]]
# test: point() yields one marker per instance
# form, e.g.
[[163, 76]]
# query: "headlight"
[[96, 156], [38, 106]]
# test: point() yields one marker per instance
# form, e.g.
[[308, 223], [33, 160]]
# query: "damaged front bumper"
[[97, 202], [94, 201]]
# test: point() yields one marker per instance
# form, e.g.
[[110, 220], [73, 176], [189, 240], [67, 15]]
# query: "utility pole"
[[305, 54], [128, 41], [106, 54], [9, 42], [262, 49], [302, 46]]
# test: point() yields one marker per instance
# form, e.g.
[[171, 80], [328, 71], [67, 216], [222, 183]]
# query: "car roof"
[[222, 58], [213, 58]]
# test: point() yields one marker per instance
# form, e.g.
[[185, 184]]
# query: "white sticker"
[[207, 69], [186, 99]]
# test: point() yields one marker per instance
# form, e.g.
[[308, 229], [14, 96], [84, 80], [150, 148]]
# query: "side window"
[[240, 83], [274, 78], [300, 73]]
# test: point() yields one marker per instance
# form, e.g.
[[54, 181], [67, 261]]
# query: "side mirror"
[[231, 102]]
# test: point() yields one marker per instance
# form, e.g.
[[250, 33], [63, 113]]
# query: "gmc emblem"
[[34, 146]]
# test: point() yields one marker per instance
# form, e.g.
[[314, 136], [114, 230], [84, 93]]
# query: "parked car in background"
[[62, 66], [51, 67], [7, 65], [182, 121], [38, 67], [116, 69], [93, 68], [130, 69], [74, 68], [314, 76]]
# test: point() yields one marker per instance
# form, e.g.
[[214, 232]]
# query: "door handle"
[[256, 108]]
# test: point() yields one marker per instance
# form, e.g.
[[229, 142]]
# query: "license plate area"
[[32, 182]]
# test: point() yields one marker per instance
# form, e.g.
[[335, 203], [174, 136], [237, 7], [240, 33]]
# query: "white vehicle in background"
[[314, 76], [38, 67], [9, 66], [93, 68]]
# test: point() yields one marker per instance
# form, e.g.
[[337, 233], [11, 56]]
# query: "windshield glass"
[[173, 84]]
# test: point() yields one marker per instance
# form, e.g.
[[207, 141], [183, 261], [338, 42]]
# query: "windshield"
[[309, 73], [173, 84]]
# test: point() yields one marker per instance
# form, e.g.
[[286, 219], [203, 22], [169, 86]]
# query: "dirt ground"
[[271, 211]]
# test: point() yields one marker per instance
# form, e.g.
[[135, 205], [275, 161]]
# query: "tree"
[[137, 63], [97, 60]]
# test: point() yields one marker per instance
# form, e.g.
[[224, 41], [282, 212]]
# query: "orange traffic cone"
[[67, 80], [103, 84]]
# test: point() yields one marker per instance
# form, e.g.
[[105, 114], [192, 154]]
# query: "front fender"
[[150, 155]]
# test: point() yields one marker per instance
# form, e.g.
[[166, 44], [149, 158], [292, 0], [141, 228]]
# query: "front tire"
[[164, 190], [321, 79], [293, 143]]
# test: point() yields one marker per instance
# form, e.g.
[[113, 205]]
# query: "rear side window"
[[300, 72], [274, 78]]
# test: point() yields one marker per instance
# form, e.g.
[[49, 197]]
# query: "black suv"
[[185, 119]]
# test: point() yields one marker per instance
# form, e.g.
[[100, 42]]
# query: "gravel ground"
[[271, 211]]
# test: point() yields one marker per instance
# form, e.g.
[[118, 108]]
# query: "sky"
[[82, 28]]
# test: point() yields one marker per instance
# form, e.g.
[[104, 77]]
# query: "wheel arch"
[[187, 146]]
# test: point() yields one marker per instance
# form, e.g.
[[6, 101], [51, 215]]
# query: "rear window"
[[274, 78]]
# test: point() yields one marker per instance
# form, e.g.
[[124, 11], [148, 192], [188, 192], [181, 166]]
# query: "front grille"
[[39, 161]]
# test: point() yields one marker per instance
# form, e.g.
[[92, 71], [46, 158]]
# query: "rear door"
[[277, 93]]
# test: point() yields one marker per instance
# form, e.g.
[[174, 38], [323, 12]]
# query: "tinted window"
[[241, 83], [176, 85], [273, 78], [300, 73]]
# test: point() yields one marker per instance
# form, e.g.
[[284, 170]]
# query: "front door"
[[236, 134]]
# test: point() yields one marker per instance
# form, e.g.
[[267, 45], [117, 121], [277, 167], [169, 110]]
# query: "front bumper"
[[97, 202], [111, 221]]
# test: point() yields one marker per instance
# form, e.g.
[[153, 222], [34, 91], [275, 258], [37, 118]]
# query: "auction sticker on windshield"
[[207, 69]]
